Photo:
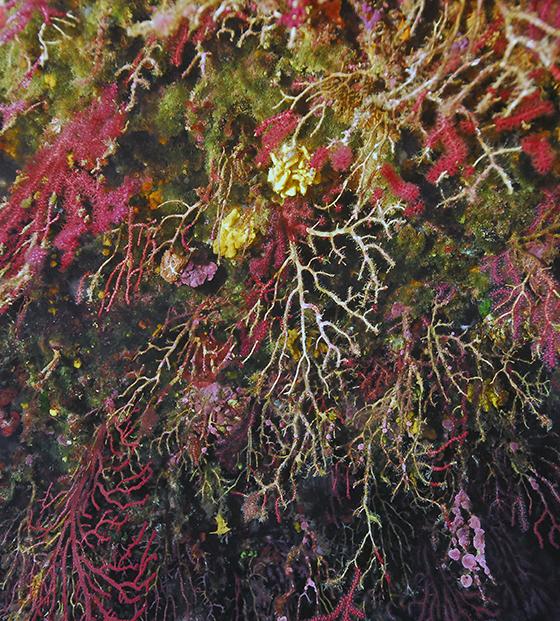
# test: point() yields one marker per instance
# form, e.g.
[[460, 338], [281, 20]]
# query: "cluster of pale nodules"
[[467, 541]]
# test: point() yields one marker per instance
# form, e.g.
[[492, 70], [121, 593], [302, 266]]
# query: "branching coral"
[[59, 197], [61, 552]]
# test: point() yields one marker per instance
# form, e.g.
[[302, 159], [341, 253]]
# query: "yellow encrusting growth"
[[236, 233], [291, 172]]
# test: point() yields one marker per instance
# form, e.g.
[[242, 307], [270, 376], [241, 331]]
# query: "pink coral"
[[539, 150], [402, 189], [273, 131], [466, 580], [531, 108], [454, 154], [80, 566], [196, 274], [468, 561], [60, 195], [341, 157]]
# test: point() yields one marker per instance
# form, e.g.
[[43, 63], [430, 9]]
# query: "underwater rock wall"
[[280, 310]]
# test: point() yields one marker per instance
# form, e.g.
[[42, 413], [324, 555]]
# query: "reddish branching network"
[[79, 564], [60, 196]]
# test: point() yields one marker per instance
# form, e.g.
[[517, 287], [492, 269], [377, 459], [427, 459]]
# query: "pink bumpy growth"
[[404, 190], [467, 540], [454, 154], [531, 108], [341, 157], [539, 150]]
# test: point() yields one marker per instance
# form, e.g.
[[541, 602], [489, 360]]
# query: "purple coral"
[[466, 534], [196, 274], [468, 561], [466, 580]]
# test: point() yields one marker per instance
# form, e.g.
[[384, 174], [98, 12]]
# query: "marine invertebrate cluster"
[[280, 299], [291, 172], [236, 232]]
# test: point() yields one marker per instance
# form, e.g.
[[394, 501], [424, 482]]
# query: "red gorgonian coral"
[[61, 195]]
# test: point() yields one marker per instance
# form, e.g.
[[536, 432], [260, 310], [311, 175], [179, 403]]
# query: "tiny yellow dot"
[[53, 412], [77, 363]]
